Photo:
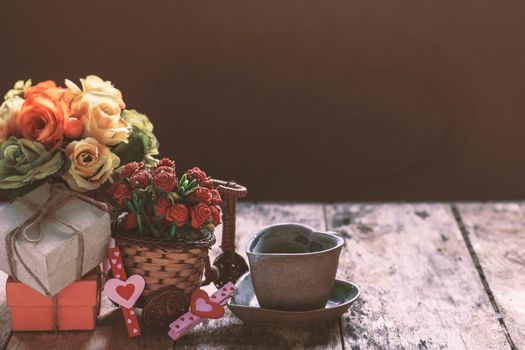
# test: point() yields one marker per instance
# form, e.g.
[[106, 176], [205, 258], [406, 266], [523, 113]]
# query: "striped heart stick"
[[130, 316]]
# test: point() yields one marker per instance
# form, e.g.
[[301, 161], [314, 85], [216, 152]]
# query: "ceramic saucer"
[[245, 306]]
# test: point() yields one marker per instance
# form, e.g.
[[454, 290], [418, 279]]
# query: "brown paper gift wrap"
[[51, 249]]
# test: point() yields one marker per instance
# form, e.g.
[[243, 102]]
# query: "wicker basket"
[[165, 263], [174, 268]]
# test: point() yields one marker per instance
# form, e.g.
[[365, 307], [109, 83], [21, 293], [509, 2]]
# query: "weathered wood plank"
[[497, 234], [5, 316], [229, 332], [420, 289]]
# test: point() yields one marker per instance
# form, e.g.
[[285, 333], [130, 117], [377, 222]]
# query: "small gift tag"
[[124, 291], [201, 306]]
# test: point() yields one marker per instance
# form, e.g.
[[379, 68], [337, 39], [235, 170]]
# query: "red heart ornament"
[[202, 306], [126, 291]]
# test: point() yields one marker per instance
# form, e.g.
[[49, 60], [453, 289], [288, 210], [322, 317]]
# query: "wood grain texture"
[[5, 316], [229, 332], [419, 287], [497, 234]]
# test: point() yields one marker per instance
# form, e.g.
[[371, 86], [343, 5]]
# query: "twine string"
[[55, 313], [59, 194]]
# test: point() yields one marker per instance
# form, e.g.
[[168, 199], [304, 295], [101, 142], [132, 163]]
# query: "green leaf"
[[191, 187], [173, 197], [192, 184], [130, 206], [173, 231], [141, 123], [65, 167], [134, 150]]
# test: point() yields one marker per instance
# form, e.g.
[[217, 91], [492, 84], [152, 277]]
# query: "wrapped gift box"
[[54, 259], [77, 306]]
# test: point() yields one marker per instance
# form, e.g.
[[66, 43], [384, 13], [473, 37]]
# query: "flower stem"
[[133, 209], [150, 226], [139, 223]]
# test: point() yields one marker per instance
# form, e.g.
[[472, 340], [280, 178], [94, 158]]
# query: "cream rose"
[[98, 106], [96, 86], [102, 120], [8, 111], [92, 163]]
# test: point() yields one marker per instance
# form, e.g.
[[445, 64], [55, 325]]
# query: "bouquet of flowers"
[[153, 202], [78, 135]]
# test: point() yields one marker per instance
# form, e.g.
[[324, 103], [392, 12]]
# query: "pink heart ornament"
[[202, 306], [110, 290]]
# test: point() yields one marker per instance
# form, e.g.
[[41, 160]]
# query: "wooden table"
[[433, 276]]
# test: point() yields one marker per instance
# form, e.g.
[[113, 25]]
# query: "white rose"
[[102, 121], [96, 86], [8, 111]]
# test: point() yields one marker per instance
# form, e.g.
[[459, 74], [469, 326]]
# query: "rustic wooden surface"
[[496, 233], [419, 286], [433, 276]]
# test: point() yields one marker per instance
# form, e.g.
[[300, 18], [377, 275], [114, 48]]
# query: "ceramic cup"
[[293, 266]]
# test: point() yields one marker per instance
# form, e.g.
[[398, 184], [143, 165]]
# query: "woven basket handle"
[[230, 192]]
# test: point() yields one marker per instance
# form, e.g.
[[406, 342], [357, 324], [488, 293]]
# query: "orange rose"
[[41, 119], [40, 88], [50, 89]]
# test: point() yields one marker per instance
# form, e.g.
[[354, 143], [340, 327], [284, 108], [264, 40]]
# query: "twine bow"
[[59, 194]]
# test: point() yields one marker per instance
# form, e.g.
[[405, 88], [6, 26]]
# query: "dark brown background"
[[304, 100]]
